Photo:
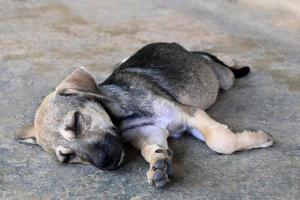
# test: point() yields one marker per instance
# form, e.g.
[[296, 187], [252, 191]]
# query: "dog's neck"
[[120, 106]]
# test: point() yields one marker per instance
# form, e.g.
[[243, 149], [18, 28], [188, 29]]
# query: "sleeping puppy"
[[161, 91]]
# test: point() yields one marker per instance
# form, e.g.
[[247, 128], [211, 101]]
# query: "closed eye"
[[75, 124]]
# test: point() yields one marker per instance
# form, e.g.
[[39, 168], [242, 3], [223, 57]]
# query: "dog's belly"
[[166, 115], [177, 129], [174, 119], [197, 134]]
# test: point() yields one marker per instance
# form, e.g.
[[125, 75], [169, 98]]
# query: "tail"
[[240, 72], [237, 71]]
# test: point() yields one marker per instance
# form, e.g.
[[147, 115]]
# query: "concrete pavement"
[[42, 41]]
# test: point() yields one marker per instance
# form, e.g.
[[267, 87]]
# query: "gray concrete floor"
[[42, 41]]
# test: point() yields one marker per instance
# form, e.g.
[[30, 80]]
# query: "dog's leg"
[[152, 141], [221, 139], [238, 71], [225, 74]]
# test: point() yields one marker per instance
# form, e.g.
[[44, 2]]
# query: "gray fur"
[[169, 70], [151, 95], [162, 70]]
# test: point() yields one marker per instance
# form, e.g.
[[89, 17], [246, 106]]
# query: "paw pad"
[[158, 175]]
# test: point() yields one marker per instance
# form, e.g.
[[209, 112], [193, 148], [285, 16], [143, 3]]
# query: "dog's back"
[[167, 69]]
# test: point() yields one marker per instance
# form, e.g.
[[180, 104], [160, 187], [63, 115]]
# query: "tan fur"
[[218, 137], [49, 129], [222, 140], [39, 120], [80, 80], [26, 135], [152, 141], [170, 120]]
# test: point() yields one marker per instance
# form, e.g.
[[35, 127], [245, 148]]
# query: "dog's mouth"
[[121, 158], [116, 163]]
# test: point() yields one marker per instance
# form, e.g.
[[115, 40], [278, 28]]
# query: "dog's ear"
[[78, 81], [26, 135]]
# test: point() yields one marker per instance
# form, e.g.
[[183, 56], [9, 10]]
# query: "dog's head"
[[72, 123]]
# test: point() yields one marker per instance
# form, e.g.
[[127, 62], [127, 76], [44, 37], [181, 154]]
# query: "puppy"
[[161, 91]]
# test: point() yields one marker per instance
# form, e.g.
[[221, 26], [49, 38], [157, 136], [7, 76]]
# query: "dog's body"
[[161, 91]]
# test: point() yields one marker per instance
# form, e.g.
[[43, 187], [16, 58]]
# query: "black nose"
[[103, 160], [107, 153]]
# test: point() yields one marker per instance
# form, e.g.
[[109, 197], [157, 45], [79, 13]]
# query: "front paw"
[[159, 172]]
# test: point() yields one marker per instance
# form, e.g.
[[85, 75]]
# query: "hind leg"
[[225, 74], [221, 139]]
